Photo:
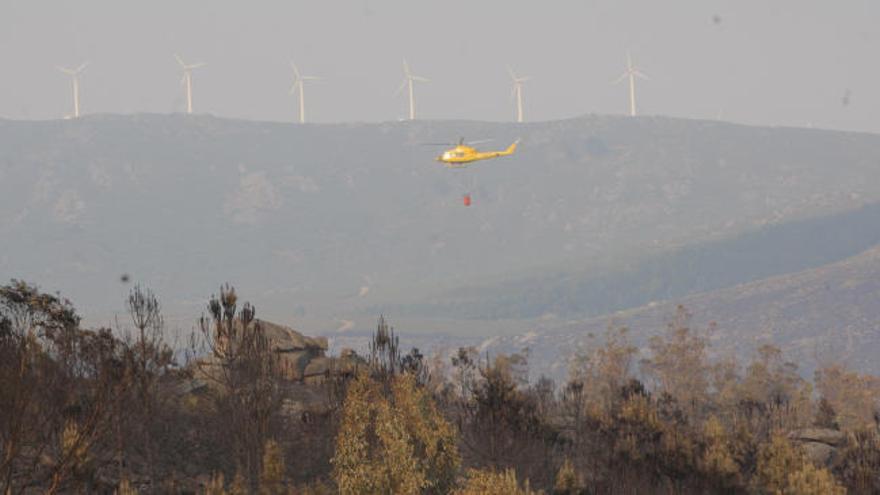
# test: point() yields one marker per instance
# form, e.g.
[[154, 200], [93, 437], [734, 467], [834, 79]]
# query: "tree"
[[718, 460], [773, 396], [502, 424], [29, 322], [853, 397], [859, 463], [59, 384], [603, 369], [149, 360], [776, 460], [384, 360], [679, 365], [464, 375], [244, 368], [395, 443]]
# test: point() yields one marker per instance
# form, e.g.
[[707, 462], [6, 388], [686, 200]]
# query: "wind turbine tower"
[[631, 73], [187, 80], [517, 92], [408, 79], [74, 74], [299, 84]]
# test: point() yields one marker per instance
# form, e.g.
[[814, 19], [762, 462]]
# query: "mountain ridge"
[[306, 219]]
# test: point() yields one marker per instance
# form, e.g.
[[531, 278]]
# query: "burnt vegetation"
[[124, 410]]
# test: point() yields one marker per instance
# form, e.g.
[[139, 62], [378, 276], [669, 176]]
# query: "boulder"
[[820, 444], [819, 454], [826, 436]]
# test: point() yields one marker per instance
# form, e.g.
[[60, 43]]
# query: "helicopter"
[[463, 154]]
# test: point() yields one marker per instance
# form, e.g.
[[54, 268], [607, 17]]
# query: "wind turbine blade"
[[179, 60], [420, 79], [65, 70], [293, 87], [402, 85], [638, 73], [82, 67], [621, 78], [295, 70], [196, 66], [512, 74], [406, 69], [309, 78]]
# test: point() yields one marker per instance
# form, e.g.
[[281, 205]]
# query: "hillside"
[[821, 315], [314, 222], [770, 250]]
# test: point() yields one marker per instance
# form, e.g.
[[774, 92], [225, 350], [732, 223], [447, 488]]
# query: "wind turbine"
[[631, 73], [299, 83], [517, 92], [187, 80], [74, 74], [408, 79]]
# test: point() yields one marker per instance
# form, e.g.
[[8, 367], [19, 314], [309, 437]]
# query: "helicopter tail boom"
[[510, 149]]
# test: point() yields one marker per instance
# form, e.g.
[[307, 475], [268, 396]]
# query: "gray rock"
[[825, 436], [819, 453]]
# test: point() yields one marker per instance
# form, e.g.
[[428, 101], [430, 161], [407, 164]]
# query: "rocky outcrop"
[[301, 358], [296, 351], [820, 444]]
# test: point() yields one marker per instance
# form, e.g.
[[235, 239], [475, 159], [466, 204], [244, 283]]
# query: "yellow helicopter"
[[463, 154]]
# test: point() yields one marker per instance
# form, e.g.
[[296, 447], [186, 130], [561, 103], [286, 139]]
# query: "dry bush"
[[491, 482]]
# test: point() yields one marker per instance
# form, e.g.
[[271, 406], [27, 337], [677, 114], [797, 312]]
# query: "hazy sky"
[[792, 62]]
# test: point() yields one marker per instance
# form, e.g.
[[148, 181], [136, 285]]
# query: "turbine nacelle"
[[298, 79], [188, 67], [517, 79], [73, 72]]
